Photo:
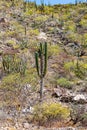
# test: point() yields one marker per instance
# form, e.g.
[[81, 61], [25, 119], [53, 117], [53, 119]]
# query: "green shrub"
[[11, 82], [24, 44], [13, 63], [63, 82], [53, 50], [47, 112], [69, 66], [14, 81], [78, 114], [84, 119], [80, 70]]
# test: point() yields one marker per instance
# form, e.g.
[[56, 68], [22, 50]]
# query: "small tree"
[[41, 64]]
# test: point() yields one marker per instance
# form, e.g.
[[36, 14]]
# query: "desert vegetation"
[[43, 66]]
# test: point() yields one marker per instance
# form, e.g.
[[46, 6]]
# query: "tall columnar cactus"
[[41, 64]]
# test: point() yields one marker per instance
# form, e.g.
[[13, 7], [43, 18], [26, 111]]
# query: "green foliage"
[[11, 43], [84, 40], [83, 23], [14, 81], [24, 44], [11, 81], [70, 26], [12, 63], [7, 62], [84, 65], [34, 32], [63, 82], [53, 50], [47, 112], [84, 119], [69, 66], [41, 18], [80, 70], [78, 114]]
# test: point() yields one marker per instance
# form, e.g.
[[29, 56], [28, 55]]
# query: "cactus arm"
[[37, 64], [41, 48], [41, 65], [45, 58]]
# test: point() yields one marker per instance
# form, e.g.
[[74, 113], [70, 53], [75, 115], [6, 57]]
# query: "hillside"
[[64, 103]]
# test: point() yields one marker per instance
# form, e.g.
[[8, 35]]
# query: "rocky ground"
[[17, 118]]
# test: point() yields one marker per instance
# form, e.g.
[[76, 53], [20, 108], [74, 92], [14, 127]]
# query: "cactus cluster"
[[41, 63]]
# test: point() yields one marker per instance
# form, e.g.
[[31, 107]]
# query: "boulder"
[[62, 93], [80, 98]]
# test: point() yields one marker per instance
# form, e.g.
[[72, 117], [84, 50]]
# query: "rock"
[[3, 115], [80, 98], [57, 92], [63, 128], [64, 94], [27, 87], [28, 110], [67, 128], [25, 110], [26, 125]]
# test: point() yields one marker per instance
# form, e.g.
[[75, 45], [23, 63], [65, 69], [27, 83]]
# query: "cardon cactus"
[[41, 64]]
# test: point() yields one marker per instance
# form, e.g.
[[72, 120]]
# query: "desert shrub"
[[63, 82], [47, 112], [24, 44], [11, 34], [12, 43], [30, 77], [13, 63], [11, 82], [84, 40], [79, 114], [83, 22], [69, 66], [84, 119], [14, 81], [69, 27], [84, 65], [53, 50], [34, 32], [85, 16], [41, 18], [48, 10], [80, 70], [7, 62]]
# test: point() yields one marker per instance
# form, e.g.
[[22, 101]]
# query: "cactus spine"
[[41, 64]]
